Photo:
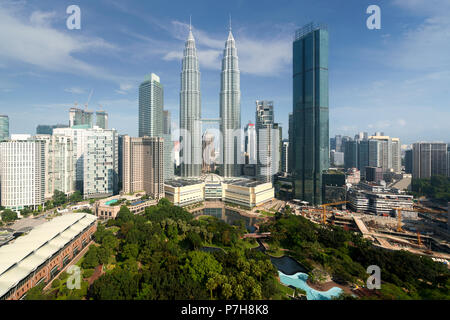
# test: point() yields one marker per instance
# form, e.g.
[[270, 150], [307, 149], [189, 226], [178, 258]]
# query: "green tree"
[[8, 215], [130, 251], [211, 284], [76, 197], [227, 291], [124, 215], [200, 264], [239, 292], [59, 198]]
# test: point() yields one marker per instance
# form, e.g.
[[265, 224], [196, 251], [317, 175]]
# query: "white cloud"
[[34, 42], [75, 90], [258, 56], [42, 19], [124, 88]]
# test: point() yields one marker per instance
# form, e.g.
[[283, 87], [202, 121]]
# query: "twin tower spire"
[[190, 110]]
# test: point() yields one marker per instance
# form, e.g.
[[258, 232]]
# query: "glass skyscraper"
[[151, 103], [310, 110], [4, 127]]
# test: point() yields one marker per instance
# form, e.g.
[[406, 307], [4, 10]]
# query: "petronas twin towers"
[[190, 111]]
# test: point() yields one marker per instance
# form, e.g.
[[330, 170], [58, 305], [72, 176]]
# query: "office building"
[[291, 141], [4, 127], [285, 157], [143, 165], [408, 161], [48, 129], [337, 158], [429, 159], [190, 112], [151, 102], [235, 191], [251, 152], [22, 173], [267, 136], [374, 174], [167, 127], [310, 108], [120, 161], [375, 199], [169, 170], [350, 154], [230, 110]]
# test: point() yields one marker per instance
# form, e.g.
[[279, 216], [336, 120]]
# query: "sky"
[[395, 79]]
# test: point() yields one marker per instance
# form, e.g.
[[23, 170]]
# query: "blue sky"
[[394, 80]]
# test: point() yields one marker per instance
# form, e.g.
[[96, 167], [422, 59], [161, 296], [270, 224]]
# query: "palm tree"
[[227, 290], [211, 284]]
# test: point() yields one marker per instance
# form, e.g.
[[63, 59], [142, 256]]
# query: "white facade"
[[95, 160], [250, 144], [59, 167], [22, 173], [268, 137]]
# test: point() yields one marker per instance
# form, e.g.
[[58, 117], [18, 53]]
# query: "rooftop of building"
[[25, 254], [310, 27], [244, 182], [180, 182]]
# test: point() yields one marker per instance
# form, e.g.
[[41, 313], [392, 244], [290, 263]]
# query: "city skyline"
[[93, 53]]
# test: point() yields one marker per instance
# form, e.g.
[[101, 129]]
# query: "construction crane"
[[89, 99], [324, 209], [419, 240], [399, 219]]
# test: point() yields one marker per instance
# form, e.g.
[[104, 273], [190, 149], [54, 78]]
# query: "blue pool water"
[[111, 202], [298, 280]]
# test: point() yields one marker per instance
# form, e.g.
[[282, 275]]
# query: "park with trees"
[[345, 256]]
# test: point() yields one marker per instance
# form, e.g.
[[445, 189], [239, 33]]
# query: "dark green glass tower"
[[310, 111]]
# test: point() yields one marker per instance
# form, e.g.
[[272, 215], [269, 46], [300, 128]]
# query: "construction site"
[[422, 229]]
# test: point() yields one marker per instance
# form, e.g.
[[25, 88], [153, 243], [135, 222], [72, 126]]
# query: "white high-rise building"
[[190, 112], [250, 144], [285, 157], [385, 152], [22, 173], [230, 110], [95, 159], [268, 137], [59, 167]]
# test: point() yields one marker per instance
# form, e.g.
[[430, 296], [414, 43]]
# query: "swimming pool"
[[111, 202], [298, 280]]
